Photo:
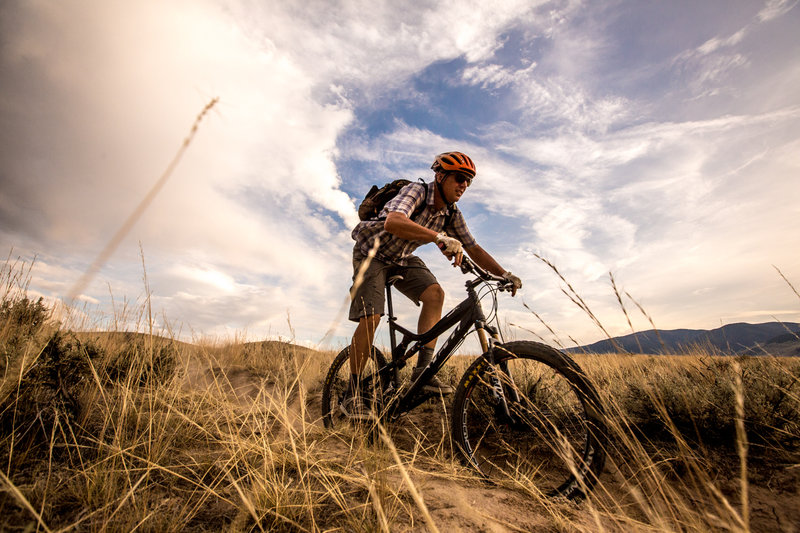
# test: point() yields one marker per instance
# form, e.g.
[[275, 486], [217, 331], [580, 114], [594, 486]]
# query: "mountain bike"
[[522, 409]]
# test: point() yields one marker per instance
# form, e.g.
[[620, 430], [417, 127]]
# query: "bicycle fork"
[[499, 373]]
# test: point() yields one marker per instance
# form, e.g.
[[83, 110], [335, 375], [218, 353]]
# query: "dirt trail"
[[455, 505]]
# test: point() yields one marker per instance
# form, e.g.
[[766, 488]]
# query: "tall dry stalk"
[[789, 283], [576, 298], [741, 445], [624, 310], [649, 319], [126, 226]]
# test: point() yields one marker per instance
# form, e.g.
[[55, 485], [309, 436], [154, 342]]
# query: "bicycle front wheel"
[[335, 389], [548, 434]]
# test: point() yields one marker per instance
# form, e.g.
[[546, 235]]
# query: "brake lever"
[[505, 286]]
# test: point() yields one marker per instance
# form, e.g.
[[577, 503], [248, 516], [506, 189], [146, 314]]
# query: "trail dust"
[[238, 384], [245, 390]]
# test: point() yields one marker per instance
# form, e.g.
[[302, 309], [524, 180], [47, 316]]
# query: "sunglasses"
[[461, 178]]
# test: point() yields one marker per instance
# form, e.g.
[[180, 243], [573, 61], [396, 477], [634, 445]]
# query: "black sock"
[[424, 357]]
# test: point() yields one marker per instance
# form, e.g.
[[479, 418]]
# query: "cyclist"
[[398, 237]]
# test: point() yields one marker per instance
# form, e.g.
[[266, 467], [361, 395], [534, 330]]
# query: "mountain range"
[[774, 338]]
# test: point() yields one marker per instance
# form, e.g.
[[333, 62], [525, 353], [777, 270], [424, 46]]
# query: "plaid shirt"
[[396, 250]]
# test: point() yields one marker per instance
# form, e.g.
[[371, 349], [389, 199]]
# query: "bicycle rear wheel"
[[335, 389], [553, 433]]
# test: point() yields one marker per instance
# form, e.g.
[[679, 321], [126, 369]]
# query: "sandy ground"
[[465, 503]]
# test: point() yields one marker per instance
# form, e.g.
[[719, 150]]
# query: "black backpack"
[[373, 203]]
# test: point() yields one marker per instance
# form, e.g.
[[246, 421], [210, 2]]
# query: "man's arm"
[[487, 262], [484, 260], [399, 225]]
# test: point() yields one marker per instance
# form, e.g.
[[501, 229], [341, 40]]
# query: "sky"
[[658, 142]]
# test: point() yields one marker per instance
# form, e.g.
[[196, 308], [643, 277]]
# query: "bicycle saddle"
[[393, 279]]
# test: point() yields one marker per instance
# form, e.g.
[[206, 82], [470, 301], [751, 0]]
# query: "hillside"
[[775, 338]]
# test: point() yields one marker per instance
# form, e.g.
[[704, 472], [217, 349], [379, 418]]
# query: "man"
[[398, 237]]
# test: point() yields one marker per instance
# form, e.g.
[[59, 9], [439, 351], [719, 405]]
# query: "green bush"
[[23, 314]]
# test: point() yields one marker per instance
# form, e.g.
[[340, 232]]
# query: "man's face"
[[451, 186]]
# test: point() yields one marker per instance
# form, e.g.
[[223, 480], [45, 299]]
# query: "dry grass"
[[114, 431]]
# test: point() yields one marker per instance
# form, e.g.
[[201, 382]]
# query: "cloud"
[[775, 8], [671, 196], [380, 44], [710, 62], [549, 101], [101, 97], [494, 75]]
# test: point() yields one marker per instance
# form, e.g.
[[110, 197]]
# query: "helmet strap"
[[441, 192]]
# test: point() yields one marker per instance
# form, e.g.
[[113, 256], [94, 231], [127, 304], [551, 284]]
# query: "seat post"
[[389, 282], [389, 308], [389, 299]]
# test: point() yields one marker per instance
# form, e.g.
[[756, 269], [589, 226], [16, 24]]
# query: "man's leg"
[[362, 342], [432, 299], [366, 307], [355, 407]]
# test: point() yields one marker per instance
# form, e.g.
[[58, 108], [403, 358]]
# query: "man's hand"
[[450, 247], [511, 278]]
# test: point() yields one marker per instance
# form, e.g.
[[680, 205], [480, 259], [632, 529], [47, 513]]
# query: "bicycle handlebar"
[[468, 266]]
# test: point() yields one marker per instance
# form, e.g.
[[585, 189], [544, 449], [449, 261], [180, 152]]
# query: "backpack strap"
[[424, 203], [451, 210]]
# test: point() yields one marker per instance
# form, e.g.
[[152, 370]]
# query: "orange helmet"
[[454, 162]]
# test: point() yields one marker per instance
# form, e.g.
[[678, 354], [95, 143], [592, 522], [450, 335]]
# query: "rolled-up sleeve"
[[459, 230]]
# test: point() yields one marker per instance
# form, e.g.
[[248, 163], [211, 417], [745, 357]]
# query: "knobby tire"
[[554, 436], [337, 382]]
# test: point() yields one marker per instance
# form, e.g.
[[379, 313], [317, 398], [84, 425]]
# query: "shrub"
[[695, 396], [20, 320], [42, 401]]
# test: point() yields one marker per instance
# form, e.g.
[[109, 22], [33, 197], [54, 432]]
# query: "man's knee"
[[433, 295]]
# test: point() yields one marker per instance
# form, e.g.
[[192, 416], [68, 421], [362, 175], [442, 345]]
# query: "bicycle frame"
[[466, 315]]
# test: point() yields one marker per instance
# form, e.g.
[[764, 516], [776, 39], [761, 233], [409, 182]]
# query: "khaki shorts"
[[370, 296]]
